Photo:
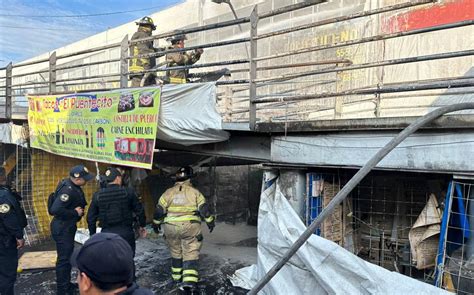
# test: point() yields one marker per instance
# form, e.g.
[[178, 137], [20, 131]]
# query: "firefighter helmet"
[[146, 21], [175, 38], [184, 173]]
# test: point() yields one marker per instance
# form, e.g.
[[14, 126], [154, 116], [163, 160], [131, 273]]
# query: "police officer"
[[180, 59], [114, 206], [106, 266], [67, 208], [12, 223], [137, 64], [181, 208]]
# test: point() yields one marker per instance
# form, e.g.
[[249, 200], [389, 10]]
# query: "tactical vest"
[[114, 208]]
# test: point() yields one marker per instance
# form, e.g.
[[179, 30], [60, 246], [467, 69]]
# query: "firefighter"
[[180, 59], [181, 209], [145, 29], [12, 223], [113, 206], [67, 205]]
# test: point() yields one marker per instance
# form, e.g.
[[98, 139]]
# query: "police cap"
[[111, 173], [106, 258], [80, 171]]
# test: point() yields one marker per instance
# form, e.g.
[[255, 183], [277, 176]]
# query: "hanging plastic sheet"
[[320, 266], [188, 114]]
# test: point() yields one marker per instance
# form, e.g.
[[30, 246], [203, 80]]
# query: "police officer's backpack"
[[52, 196]]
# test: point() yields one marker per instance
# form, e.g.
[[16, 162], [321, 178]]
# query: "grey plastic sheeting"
[[188, 114], [320, 266]]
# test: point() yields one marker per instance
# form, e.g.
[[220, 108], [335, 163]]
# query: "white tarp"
[[188, 114], [12, 134], [320, 266]]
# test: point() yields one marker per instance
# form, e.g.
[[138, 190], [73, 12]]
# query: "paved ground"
[[228, 248]]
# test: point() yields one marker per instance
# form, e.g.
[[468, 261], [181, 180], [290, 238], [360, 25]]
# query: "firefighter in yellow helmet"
[[181, 209], [180, 58], [145, 29]]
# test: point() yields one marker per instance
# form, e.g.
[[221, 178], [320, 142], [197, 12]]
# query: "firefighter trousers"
[[184, 239]]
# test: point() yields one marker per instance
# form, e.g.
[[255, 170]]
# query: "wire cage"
[[419, 225]]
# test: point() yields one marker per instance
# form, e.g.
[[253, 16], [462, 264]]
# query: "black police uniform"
[[12, 223], [114, 207], [63, 229]]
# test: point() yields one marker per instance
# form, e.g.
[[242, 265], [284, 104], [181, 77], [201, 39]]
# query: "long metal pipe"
[[60, 68], [25, 88], [88, 77], [238, 21], [232, 82], [368, 39], [31, 62], [73, 92], [207, 45], [344, 192], [375, 64], [86, 83], [30, 83], [297, 65], [212, 64], [346, 17], [285, 82], [449, 83], [31, 73], [92, 50]]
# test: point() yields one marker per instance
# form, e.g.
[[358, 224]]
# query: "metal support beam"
[[124, 62], [239, 146], [367, 124], [52, 73], [8, 91], [253, 68]]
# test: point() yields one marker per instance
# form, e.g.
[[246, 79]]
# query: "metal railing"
[[282, 104]]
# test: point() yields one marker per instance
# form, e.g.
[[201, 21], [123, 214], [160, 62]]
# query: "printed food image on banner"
[[126, 103], [146, 100], [105, 127], [133, 149]]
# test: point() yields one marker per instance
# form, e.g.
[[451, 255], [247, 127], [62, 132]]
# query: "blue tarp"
[[455, 228]]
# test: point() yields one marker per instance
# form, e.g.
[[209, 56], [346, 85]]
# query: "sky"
[[32, 27]]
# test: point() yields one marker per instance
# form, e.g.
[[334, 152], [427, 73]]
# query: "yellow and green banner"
[[117, 127]]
